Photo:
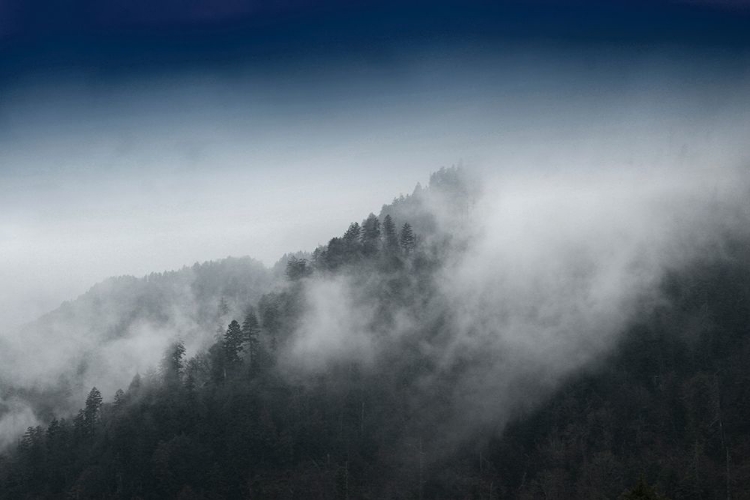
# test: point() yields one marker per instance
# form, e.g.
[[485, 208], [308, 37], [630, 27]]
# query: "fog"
[[550, 272], [17, 417], [561, 267], [595, 179]]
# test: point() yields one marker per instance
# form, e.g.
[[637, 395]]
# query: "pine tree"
[[53, 430], [92, 410], [271, 319], [135, 384], [120, 399], [391, 238], [172, 364], [217, 359], [335, 253], [233, 340], [408, 241], [352, 245], [79, 425], [297, 268], [371, 235], [250, 332]]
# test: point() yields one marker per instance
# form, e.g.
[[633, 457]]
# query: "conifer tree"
[[408, 241], [92, 410], [53, 430], [233, 340], [172, 364], [135, 384], [352, 245], [250, 332], [297, 268], [371, 235], [119, 401], [391, 238], [335, 253], [79, 425], [271, 319]]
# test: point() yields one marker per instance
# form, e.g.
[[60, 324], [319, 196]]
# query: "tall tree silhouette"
[[351, 239], [92, 410], [408, 241], [371, 235], [172, 364], [233, 340], [391, 238], [250, 332]]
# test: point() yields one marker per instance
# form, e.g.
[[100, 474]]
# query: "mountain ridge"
[[438, 364]]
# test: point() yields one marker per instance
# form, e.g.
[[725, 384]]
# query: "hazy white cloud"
[[599, 171], [15, 417], [561, 265], [554, 270], [336, 326]]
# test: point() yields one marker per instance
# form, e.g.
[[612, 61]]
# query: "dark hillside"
[[350, 382]]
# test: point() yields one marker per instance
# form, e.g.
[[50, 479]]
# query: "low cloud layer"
[[561, 266], [552, 271], [119, 328]]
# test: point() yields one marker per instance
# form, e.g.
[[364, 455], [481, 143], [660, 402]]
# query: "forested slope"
[[117, 327], [352, 382]]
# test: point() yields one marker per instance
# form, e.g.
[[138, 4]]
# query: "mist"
[[596, 173], [577, 216], [562, 266], [151, 172], [545, 273], [374, 249]]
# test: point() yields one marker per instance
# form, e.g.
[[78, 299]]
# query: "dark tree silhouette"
[[233, 344], [335, 254], [371, 235], [92, 410], [172, 364], [271, 319], [119, 400], [351, 239], [391, 238], [250, 335], [297, 268], [407, 239]]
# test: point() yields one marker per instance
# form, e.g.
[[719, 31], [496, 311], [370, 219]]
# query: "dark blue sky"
[[120, 36]]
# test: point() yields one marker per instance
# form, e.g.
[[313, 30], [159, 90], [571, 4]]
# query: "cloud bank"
[[545, 274]]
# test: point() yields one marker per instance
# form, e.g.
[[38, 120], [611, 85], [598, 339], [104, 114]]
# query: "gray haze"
[[107, 177], [119, 328], [555, 268], [598, 173]]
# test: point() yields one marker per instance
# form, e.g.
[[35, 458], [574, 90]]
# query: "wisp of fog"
[[544, 274]]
